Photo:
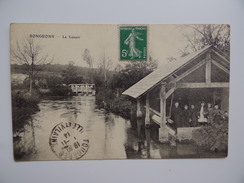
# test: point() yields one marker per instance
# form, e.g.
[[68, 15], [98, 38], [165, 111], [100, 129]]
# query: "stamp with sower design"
[[133, 43], [68, 141]]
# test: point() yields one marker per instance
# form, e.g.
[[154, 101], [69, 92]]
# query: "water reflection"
[[106, 131], [110, 136]]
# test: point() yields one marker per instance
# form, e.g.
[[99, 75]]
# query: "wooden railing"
[[155, 111]]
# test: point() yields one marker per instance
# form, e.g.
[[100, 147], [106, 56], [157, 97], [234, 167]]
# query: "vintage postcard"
[[85, 92]]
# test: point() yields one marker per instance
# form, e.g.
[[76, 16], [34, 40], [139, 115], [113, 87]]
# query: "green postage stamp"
[[133, 42]]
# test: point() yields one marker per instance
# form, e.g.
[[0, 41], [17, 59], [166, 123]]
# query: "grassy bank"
[[120, 105], [23, 106], [56, 93]]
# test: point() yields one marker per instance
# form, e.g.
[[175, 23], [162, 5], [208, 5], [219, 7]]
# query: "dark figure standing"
[[210, 114], [217, 114], [176, 115], [226, 117], [193, 116], [185, 116]]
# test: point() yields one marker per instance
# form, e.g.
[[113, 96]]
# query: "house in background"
[[18, 78], [200, 76]]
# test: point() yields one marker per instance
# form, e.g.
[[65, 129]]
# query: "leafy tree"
[[53, 81], [132, 73], [70, 75]]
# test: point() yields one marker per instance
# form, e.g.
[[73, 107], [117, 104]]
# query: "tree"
[[53, 80], [200, 35], [133, 72], [87, 57], [32, 55], [70, 75], [105, 66]]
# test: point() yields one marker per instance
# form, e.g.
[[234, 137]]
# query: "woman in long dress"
[[202, 114], [131, 41]]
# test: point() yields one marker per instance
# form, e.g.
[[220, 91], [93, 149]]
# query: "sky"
[[102, 39]]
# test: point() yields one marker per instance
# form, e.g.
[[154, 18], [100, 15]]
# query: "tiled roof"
[[159, 74]]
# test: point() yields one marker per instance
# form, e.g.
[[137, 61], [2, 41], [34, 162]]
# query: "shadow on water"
[[22, 145], [148, 147], [111, 136]]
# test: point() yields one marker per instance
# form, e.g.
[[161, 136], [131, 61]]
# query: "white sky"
[[163, 41]]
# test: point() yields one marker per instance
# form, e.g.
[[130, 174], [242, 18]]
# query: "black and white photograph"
[[119, 91]]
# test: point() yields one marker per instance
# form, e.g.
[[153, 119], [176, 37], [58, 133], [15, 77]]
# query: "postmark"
[[68, 141], [133, 43]]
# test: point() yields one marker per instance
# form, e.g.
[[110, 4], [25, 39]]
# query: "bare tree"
[[105, 66], [201, 35], [31, 54]]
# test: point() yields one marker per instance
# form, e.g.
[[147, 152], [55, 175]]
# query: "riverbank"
[[23, 106], [106, 131], [119, 105], [114, 132]]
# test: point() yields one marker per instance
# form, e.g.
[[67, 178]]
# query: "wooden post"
[[163, 132], [133, 119], [139, 123], [76, 89], [147, 126], [208, 69], [163, 105], [87, 89], [139, 116], [148, 140], [147, 117]]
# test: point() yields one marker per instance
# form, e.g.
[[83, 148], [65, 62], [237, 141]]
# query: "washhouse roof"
[[166, 69]]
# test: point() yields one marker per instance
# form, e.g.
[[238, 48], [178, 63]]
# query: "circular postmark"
[[68, 141]]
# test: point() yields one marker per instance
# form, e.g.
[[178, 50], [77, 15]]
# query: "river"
[[110, 136]]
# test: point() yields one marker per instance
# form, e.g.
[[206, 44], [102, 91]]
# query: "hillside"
[[56, 70]]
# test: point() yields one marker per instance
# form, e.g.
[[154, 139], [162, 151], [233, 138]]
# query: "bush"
[[104, 97], [60, 91], [213, 137], [119, 105], [23, 106]]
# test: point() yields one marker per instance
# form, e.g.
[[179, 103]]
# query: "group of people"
[[197, 116]]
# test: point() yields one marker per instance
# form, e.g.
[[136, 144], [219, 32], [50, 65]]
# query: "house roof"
[[162, 72]]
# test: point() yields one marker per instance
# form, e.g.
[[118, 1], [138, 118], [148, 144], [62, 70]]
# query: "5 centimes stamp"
[[133, 42], [68, 141]]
